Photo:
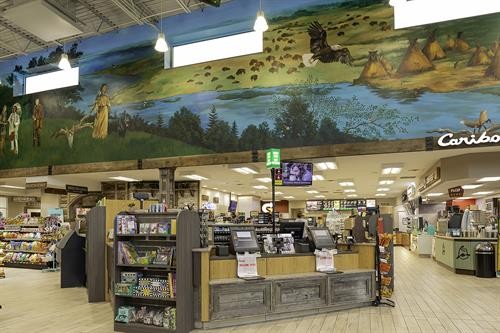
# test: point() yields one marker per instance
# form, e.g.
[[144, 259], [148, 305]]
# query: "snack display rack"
[[24, 245], [153, 271]]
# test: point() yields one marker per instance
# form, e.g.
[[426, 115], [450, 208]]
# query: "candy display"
[[24, 246], [128, 253], [128, 225], [147, 315], [154, 287]]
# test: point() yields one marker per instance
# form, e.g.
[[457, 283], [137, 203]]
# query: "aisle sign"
[[456, 192], [77, 189], [273, 158]]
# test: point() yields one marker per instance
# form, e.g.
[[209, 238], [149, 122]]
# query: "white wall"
[[49, 201], [247, 204], [14, 208], [224, 199]]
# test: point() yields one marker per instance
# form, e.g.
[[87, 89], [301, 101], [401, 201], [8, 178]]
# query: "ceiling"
[[94, 17], [364, 171]]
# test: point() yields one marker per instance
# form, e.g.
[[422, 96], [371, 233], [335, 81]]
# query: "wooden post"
[[167, 186]]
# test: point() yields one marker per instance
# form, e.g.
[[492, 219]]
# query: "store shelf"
[[150, 266], [140, 328], [26, 251], [24, 265], [148, 297], [25, 239], [168, 237]]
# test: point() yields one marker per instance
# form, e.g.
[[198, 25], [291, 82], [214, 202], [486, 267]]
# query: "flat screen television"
[[294, 228], [297, 173], [232, 206]]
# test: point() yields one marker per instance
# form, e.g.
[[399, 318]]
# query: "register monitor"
[[244, 240], [321, 238], [294, 228]]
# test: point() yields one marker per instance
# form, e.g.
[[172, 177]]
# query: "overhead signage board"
[[456, 192], [77, 189], [430, 179], [36, 186], [24, 199], [448, 139], [273, 158]]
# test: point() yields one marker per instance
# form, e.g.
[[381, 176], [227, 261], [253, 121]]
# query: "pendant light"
[[161, 43], [260, 22], [64, 62]]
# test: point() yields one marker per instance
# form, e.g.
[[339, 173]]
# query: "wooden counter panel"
[[226, 269], [290, 265], [366, 256], [346, 261]]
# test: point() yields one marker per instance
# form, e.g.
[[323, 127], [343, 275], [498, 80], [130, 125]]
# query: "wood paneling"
[[366, 256], [346, 261], [290, 265], [226, 268], [24, 172], [204, 287]]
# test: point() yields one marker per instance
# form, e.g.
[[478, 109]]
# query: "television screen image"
[[297, 173], [232, 206]]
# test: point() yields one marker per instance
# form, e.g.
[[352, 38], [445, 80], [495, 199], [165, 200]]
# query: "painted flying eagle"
[[323, 52]]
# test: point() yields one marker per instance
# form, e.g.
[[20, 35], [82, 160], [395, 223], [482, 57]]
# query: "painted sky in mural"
[[378, 84]]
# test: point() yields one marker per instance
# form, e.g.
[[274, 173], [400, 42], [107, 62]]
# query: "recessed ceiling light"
[[386, 182], [260, 187], [245, 170], [318, 177], [489, 179], [124, 179], [215, 188], [13, 187], [352, 195], [312, 191], [289, 197], [264, 179], [483, 193], [278, 192], [346, 183], [349, 190], [434, 194], [464, 198], [326, 165], [383, 189], [471, 187], [380, 195], [195, 177], [319, 196]]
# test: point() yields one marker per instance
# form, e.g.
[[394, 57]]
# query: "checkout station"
[[251, 274]]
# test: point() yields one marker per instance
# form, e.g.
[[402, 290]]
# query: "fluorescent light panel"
[[383, 189], [346, 183], [349, 190], [380, 195], [264, 180], [471, 187], [434, 194], [260, 187], [13, 187], [352, 195], [319, 196], [289, 197], [312, 191], [195, 177], [53, 80], [489, 179], [326, 165], [391, 171], [483, 193], [124, 179], [422, 12], [318, 177], [278, 192], [219, 48], [386, 182], [245, 170]]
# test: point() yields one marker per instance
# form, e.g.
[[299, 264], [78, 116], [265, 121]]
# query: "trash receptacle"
[[485, 260]]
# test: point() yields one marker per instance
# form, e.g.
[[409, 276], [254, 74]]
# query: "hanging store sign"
[[448, 139], [24, 199], [36, 186], [430, 179], [456, 192], [273, 158], [77, 189]]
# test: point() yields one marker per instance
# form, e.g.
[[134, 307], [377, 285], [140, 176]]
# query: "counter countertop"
[[289, 276], [467, 238], [272, 255]]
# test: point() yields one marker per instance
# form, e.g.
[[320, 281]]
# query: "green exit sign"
[[273, 158]]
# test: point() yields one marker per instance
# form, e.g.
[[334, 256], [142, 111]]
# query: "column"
[[167, 186]]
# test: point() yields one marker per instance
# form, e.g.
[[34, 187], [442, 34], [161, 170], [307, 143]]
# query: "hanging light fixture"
[[64, 62], [161, 43], [260, 22]]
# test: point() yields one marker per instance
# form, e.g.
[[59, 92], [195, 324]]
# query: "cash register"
[[321, 238], [243, 240]]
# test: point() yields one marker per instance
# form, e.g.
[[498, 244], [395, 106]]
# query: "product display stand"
[[379, 300], [154, 295]]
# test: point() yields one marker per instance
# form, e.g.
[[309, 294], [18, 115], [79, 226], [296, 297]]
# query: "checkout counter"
[[289, 285]]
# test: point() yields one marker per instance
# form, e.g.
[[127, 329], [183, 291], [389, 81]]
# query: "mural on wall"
[[331, 72]]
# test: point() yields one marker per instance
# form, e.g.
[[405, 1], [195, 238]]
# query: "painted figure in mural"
[[3, 128], [102, 107], [14, 122], [37, 122]]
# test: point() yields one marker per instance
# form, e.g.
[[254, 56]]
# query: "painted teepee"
[[414, 61], [480, 57], [493, 69], [450, 43], [374, 67], [460, 43], [432, 49]]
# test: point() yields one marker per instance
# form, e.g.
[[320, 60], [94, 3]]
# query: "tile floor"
[[429, 298]]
